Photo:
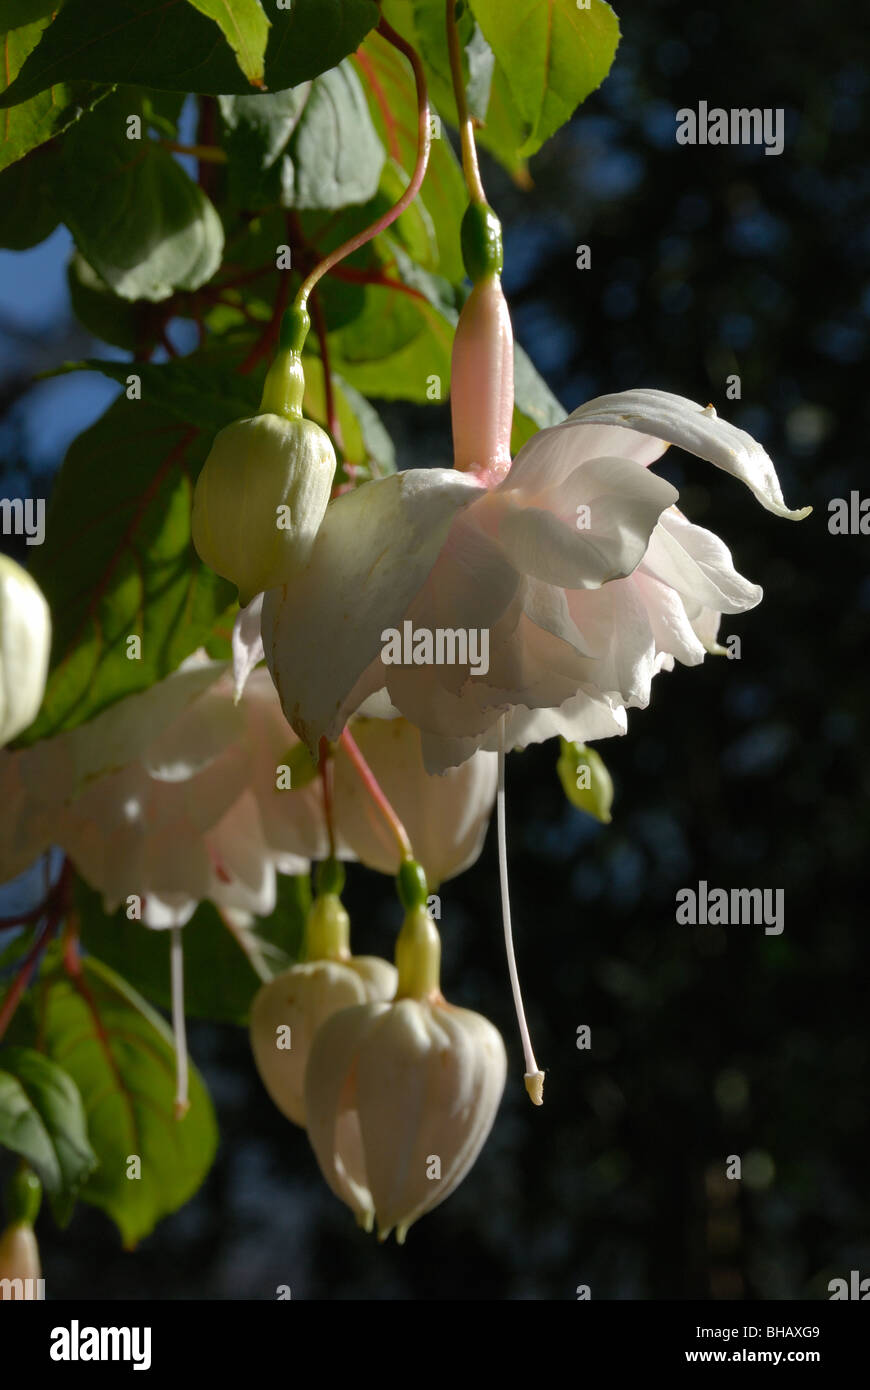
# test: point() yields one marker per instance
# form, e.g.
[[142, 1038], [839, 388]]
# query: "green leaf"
[[18, 12], [169, 45], [162, 111], [27, 211], [45, 115], [313, 147], [257, 132], [219, 981], [42, 1119], [245, 28], [553, 54], [422, 23], [336, 155], [392, 100], [197, 392], [118, 560], [502, 131], [145, 227], [135, 327], [200, 392], [120, 1054]]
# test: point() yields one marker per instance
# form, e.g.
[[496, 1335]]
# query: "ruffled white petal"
[[697, 429], [621, 502]]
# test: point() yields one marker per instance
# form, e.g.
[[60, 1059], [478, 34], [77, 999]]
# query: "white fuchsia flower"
[[581, 617], [170, 795], [198, 814], [401, 1097]]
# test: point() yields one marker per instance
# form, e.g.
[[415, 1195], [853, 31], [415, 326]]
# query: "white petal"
[[301, 999], [697, 429], [445, 817], [247, 643], [429, 1082], [202, 732], [161, 911], [373, 553], [549, 458], [671, 627], [121, 733], [585, 717], [699, 566], [330, 1104], [624, 502]]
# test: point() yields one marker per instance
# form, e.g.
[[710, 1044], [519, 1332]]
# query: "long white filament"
[[176, 957], [534, 1077]]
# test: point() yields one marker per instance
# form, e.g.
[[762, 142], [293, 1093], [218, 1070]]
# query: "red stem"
[[167, 341], [375, 277], [22, 979]]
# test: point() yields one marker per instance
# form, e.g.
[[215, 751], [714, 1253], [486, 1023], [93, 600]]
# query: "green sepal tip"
[[330, 877], [411, 885]]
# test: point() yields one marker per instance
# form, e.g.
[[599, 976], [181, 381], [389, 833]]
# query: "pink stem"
[[424, 140]]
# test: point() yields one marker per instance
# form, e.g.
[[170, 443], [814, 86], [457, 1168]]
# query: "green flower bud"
[[585, 780], [260, 499]]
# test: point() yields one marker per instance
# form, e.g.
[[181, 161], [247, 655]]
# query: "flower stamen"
[[534, 1077]]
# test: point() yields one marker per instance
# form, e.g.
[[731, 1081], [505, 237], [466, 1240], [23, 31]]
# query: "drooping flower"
[[288, 1011], [170, 795], [580, 616], [25, 638], [401, 1097]]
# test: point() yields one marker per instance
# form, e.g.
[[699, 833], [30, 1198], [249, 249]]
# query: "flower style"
[[574, 557], [401, 1097]]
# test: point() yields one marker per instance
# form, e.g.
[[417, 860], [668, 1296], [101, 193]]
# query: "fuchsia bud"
[[482, 384]]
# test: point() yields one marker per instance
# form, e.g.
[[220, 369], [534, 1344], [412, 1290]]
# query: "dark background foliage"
[[706, 1041]]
